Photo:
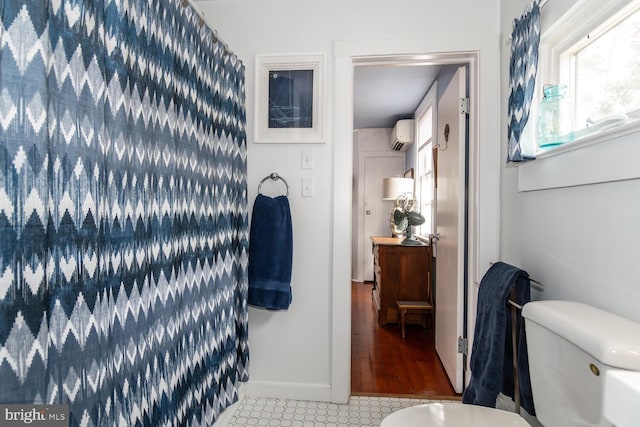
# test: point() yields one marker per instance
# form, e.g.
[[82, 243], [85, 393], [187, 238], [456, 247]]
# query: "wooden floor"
[[382, 363]]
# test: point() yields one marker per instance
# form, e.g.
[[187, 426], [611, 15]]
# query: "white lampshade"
[[393, 187]]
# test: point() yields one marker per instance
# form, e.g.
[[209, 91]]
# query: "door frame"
[[483, 126]]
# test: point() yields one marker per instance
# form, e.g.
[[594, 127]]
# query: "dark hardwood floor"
[[383, 363]]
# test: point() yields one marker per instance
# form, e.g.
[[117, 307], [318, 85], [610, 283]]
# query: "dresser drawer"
[[401, 273]]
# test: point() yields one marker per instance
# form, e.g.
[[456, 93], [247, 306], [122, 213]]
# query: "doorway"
[[482, 248], [382, 362]]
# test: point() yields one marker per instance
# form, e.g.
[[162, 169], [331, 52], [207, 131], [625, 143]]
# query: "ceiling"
[[384, 94]]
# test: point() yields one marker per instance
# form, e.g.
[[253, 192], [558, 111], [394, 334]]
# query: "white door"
[[377, 212], [450, 227]]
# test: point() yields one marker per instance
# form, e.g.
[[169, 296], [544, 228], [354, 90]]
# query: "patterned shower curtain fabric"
[[123, 212], [523, 67]]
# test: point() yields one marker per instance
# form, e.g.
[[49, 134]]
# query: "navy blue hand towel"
[[270, 253], [491, 360]]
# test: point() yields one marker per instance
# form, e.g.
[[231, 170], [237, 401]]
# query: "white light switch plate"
[[307, 159], [307, 186]]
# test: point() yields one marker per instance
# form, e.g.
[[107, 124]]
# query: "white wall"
[[582, 242], [291, 352]]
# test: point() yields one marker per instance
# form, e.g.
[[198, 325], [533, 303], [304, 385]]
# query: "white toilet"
[[571, 347]]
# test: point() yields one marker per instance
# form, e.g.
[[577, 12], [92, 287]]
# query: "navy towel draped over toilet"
[[270, 253], [491, 357]]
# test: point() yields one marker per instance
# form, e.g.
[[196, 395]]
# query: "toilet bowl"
[[452, 414]]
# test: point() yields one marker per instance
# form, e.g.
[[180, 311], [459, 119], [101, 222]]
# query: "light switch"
[[307, 186], [307, 159]]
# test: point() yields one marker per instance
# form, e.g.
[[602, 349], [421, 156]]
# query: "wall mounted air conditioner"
[[402, 135]]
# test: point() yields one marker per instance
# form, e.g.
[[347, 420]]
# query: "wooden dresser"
[[400, 273]]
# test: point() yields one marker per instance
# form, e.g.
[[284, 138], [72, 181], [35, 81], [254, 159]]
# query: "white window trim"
[[583, 17], [429, 100], [607, 156]]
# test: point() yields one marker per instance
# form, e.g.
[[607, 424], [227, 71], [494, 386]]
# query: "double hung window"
[[595, 51], [426, 122]]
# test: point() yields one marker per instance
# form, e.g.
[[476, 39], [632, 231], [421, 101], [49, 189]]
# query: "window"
[[595, 51], [571, 50], [425, 166], [425, 180], [604, 69]]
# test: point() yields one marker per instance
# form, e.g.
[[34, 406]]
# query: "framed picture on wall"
[[289, 99]]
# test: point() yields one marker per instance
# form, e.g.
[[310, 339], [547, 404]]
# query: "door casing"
[[483, 248]]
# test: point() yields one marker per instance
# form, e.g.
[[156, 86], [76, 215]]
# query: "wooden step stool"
[[404, 307]]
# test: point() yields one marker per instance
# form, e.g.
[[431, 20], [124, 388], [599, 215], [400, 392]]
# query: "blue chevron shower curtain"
[[523, 68], [123, 212]]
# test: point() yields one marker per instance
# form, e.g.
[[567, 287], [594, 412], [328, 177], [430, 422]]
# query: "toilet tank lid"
[[611, 339]]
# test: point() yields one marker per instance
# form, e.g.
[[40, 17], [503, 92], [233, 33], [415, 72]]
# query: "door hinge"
[[464, 105], [463, 346]]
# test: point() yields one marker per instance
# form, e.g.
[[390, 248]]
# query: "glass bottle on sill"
[[555, 117]]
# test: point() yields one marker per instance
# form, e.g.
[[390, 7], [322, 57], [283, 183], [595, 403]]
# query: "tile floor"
[[361, 411]]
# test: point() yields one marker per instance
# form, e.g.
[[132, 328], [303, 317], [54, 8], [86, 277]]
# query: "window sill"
[[608, 156]]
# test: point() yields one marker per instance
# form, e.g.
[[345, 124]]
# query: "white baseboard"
[[225, 417], [282, 390], [275, 390]]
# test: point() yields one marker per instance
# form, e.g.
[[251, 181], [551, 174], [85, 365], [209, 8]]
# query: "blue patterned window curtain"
[[123, 212], [523, 68]]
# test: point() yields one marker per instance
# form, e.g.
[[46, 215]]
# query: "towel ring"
[[273, 176]]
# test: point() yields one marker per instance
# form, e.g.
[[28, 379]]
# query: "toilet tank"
[[571, 346]]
